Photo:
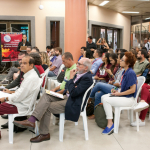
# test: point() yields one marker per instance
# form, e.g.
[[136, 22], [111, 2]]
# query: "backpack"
[[18, 129], [61, 76], [90, 108], [100, 116]]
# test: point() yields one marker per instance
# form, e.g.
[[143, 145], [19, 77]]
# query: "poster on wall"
[[9, 44]]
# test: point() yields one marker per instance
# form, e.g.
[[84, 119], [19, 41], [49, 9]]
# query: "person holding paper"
[[80, 81], [19, 101]]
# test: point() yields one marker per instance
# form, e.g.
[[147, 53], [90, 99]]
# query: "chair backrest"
[[141, 81], [34, 97], [45, 77], [60, 68], [85, 95]]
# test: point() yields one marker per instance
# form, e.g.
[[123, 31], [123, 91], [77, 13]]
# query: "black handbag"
[[90, 108]]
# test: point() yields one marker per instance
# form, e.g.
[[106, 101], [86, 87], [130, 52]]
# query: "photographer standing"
[[104, 45]]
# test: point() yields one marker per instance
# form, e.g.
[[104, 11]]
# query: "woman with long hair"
[[45, 60], [103, 43]]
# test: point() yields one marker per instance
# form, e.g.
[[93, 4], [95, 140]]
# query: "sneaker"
[[141, 106], [108, 130], [133, 124], [4, 82]]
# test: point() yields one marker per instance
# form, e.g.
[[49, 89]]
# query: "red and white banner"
[[9, 44]]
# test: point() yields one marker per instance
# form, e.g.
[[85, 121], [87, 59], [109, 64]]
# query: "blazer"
[[21, 44], [76, 93]]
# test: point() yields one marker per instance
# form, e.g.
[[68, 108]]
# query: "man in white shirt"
[[147, 45], [19, 101]]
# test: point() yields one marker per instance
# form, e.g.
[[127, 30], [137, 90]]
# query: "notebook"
[[3, 94], [55, 94]]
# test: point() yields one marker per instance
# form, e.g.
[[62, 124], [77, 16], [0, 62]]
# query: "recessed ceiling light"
[[130, 12], [147, 18], [103, 3]]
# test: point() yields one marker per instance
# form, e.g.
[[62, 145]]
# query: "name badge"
[[102, 71]]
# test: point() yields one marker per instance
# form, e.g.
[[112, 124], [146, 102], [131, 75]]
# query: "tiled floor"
[[127, 138]]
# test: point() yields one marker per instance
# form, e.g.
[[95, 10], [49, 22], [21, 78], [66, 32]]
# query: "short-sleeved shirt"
[[95, 65], [128, 79], [90, 46], [57, 63], [80, 57], [67, 76], [140, 67]]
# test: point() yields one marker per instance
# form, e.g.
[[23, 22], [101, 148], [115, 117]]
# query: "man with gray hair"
[[80, 81]]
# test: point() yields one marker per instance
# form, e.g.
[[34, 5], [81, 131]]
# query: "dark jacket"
[[19, 79], [21, 44], [74, 102]]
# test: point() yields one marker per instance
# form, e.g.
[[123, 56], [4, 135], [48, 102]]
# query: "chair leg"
[[11, 128], [61, 126], [36, 129], [117, 119], [85, 126], [137, 121], [131, 116]]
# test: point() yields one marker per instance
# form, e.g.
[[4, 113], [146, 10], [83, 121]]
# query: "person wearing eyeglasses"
[[124, 97], [80, 81]]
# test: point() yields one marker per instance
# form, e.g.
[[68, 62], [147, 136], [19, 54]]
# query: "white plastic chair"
[[29, 112], [83, 114], [141, 81], [54, 79]]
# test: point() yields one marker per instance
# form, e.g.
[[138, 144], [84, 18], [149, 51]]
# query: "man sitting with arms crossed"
[[19, 101], [80, 81], [141, 63]]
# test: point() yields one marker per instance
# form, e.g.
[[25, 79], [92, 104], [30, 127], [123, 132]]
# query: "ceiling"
[[142, 6]]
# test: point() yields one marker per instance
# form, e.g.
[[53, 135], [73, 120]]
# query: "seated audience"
[[37, 62], [80, 81], [48, 49], [68, 61], [141, 63], [101, 74], [90, 45], [9, 76], [122, 51], [149, 52], [45, 60], [124, 98], [83, 50], [134, 52], [19, 101], [97, 61], [53, 71], [28, 49], [104, 46]]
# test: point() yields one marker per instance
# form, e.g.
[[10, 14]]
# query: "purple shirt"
[[79, 76], [57, 63]]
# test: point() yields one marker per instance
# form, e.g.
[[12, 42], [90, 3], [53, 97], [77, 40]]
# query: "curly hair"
[[130, 59], [37, 58], [46, 60]]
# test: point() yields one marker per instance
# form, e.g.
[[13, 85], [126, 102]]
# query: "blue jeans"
[[51, 74], [104, 88]]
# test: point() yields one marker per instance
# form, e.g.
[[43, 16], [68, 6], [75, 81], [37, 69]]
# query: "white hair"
[[87, 63]]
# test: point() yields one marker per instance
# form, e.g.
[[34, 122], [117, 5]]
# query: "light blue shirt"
[[96, 63]]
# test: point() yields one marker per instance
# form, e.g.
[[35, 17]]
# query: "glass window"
[[2, 27], [109, 38]]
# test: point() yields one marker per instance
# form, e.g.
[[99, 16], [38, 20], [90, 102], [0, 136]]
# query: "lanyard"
[[122, 78], [95, 60]]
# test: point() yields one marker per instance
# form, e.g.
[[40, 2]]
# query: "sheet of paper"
[[2, 94], [55, 94]]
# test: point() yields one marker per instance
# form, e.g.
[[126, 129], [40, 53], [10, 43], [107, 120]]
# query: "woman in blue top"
[[124, 98]]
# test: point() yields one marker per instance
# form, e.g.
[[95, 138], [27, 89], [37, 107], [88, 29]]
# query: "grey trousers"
[[47, 105], [11, 72]]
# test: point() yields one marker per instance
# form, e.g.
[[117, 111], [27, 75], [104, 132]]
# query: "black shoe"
[[5, 126], [4, 116]]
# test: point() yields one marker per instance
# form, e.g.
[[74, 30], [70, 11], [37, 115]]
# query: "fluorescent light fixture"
[[130, 12], [103, 3], [147, 18]]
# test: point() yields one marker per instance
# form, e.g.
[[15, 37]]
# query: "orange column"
[[75, 26]]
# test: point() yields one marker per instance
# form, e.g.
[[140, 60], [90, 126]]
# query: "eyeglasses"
[[79, 64], [122, 60]]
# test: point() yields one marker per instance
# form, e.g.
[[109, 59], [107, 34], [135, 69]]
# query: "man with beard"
[[141, 62], [53, 71], [80, 81]]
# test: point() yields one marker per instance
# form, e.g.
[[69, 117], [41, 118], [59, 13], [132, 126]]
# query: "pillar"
[[75, 26]]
